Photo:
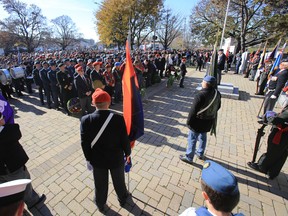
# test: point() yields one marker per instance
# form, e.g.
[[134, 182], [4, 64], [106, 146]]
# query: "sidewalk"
[[161, 184]]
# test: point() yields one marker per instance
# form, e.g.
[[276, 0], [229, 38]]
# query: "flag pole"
[[224, 26]]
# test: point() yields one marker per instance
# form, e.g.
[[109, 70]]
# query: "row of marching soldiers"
[[66, 81]]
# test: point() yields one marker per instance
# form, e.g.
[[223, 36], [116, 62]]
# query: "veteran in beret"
[[105, 142]]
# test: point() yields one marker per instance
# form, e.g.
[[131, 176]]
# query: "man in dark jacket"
[[38, 81], [13, 159], [183, 72], [107, 153], [84, 90], [220, 65], [276, 83], [54, 84], [46, 82], [201, 117], [65, 83]]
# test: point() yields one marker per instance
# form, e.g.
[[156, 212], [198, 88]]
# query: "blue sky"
[[82, 11]]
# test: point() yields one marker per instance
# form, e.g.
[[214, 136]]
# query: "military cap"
[[209, 79], [13, 191], [219, 179], [60, 65]]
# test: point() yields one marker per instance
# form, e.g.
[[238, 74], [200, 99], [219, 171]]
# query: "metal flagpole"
[[222, 37]]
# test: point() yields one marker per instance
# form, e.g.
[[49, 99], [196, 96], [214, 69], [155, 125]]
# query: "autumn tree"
[[247, 21], [168, 28], [65, 32], [115, 18], [25, 22], [112, 25]]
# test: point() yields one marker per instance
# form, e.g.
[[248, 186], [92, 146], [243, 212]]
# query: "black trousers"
[[47, 90], [5, 91], [182, 80], [101, 182], [85, 104], [55, 95], [269, 103], [41, 93]]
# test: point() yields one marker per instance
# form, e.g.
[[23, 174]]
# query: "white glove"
[[89, 166], [274, 78], [273, 97]]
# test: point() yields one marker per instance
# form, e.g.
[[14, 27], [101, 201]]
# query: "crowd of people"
[[61, 76], [96, 79]]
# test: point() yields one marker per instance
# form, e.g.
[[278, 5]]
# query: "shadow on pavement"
[[31, 106], [168, 106], [274, 188]]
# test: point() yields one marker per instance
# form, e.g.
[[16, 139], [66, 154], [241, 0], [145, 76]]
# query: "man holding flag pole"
[[278, 76], [265, 75]]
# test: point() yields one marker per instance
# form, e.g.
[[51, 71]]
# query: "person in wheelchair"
[[272, 161]]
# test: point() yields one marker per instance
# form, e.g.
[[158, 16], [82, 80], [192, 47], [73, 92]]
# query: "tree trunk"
[[238, 46], [242, 36]]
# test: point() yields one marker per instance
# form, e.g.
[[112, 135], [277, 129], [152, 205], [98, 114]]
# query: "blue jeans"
[[192, 139]]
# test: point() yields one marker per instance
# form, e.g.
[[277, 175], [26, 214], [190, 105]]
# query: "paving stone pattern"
[[160, 183]]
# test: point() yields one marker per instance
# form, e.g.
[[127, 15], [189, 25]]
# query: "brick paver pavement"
[[161, 184]]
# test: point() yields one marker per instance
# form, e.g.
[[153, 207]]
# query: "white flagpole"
[[225, 20]]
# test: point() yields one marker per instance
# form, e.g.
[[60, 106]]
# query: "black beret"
[[60, 65]]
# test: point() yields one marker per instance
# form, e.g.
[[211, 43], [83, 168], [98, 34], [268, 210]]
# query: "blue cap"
[[219, 179], [52, 63], [117, 64], [209, 79]]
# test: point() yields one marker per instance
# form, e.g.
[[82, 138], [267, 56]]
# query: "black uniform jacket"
[[82, 87], [44, 77], [282, 77], [203, 122], [36, 77], [64, 80], [12, 154], [113, 144]]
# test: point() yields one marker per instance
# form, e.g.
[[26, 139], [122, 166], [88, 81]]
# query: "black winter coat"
[[113, 144], [203, 122], [12, 154]]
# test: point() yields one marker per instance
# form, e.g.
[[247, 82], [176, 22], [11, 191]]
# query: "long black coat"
[[113, 144], [12, 154]]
